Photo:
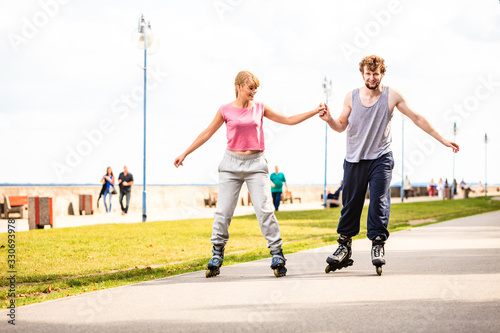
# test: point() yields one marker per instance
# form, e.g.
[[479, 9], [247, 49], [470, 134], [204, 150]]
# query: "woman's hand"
[[321, 108]]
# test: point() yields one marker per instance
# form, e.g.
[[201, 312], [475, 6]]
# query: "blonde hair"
[[242, 77]]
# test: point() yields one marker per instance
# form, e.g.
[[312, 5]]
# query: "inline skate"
[[378, 253], [278, 263], [213, 266], [341, 257]]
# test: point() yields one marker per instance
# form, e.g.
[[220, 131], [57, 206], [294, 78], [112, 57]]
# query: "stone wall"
[[158, 197]]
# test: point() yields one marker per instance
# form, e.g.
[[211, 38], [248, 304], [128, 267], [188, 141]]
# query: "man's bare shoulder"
[[395, 94], [348, 98]]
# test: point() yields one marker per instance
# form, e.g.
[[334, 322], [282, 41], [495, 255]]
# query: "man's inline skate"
[[278, 263], [378, 253], [341, 257], [213, 266]]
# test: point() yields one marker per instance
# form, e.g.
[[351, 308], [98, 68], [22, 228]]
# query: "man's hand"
[[178, 161], [325, 113], [452, 145]]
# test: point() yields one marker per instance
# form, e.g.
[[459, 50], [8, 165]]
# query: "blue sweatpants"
[[276, 199], [357, 176]]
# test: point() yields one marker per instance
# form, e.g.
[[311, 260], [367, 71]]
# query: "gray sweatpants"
[[233, 171]]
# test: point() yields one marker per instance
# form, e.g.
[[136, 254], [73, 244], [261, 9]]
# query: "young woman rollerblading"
[[244, 162]]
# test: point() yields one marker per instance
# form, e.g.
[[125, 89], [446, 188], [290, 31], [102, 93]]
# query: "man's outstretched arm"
[[420, 121]]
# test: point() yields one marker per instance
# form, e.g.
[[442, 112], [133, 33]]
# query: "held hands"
[[324, 112], [321, 108]]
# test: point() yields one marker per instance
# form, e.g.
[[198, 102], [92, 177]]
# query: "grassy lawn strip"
[[57, 263]]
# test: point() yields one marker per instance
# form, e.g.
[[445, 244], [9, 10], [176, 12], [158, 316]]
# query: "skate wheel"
[[210, 273], [379, 270], [279, 272], [329, 269]]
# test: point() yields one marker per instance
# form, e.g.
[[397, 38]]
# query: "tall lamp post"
[[453, 188], [145, 41], [327, 89], [402, 157], [485, 164]]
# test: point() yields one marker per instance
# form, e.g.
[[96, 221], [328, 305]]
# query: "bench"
[[330, 203], [212, 199], [287, 196], [14, 204]]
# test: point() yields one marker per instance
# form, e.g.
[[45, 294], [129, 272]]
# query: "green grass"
[[55, 263]]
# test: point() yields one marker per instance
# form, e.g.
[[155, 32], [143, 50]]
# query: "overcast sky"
[[71, 84]]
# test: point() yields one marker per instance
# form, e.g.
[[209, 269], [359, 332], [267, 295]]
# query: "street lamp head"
[[142, 24], [143, 38], [327, 87]]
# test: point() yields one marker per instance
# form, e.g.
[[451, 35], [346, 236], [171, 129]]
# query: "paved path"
[[439, 278]]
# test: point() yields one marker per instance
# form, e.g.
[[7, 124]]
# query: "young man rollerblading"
[[366, 115], [213, 266]]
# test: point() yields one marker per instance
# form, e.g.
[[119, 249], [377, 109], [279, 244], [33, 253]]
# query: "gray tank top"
[[369, 129]]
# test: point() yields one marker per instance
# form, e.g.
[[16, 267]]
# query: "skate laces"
[[277, 256], [376, 250], [340, 250]]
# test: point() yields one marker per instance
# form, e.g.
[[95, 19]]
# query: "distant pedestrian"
[[336, 195], [462, 184], [125, 180], [480, 187], [103, 189], [440, 188], [407, 187], [109, 180], [431, 187], [277, 181], [332, 199]]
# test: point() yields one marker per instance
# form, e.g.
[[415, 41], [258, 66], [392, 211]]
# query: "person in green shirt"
[[277, 181]]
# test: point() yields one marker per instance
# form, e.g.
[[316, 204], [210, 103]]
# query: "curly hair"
[[373, 63], [242, 77]]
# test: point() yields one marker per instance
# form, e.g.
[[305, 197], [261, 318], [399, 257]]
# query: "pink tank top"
[[244, 127]]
